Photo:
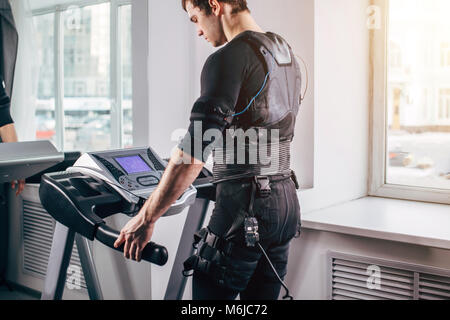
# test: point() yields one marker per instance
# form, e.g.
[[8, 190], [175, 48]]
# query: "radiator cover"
[[37, 232], [353, 277]]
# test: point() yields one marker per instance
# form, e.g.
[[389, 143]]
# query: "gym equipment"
[[21, 160], [103, 184], [18, 161]]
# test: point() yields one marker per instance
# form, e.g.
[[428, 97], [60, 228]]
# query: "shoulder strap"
[[272, 43]]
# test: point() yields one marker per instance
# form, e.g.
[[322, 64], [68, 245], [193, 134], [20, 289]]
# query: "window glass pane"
[[45, 108], [87, 103], [127, 90], [418, 94]]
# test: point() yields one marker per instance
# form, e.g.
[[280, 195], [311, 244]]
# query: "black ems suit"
[[253, 84]]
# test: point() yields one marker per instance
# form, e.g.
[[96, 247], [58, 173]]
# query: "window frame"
[[115, 66], [378, 122], [445, 55], [444, 104]]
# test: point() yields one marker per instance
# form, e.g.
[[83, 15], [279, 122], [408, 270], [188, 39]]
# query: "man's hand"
[[20, 186], [136, 234], [177, 177], [8, 134]]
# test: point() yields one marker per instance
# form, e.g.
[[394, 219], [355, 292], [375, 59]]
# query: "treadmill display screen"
[[133, 164]]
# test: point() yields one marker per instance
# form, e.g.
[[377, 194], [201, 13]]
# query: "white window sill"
[[412, 222]]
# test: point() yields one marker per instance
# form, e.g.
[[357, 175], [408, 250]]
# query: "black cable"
[[287, 296]]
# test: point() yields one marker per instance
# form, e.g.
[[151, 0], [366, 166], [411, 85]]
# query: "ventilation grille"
[[362, 278], [432, 287], [38, 228]]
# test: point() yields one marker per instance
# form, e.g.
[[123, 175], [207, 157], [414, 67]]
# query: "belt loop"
[[263, 184], [199, 236], [294, 178]]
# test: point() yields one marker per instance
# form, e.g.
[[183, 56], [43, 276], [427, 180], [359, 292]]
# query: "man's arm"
[[8, 133], [7, 129], [179, 175], [222, 78]]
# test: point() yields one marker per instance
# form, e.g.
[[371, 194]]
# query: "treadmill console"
[[133, 173]]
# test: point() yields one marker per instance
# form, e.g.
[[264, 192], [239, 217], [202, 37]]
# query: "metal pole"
[[194, 222], [58, 263], [89, 270]]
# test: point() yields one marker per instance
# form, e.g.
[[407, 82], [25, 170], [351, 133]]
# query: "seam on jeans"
[[286, 215]]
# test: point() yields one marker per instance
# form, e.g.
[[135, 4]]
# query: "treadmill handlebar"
[[152, 252]]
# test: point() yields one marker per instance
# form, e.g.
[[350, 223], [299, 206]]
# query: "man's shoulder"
[[235, 49]]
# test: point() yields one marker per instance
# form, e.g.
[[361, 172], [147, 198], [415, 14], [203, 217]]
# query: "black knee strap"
[[213, 241], [210, 257]]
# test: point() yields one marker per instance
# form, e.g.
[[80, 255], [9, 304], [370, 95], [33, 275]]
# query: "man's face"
[[208, 26]]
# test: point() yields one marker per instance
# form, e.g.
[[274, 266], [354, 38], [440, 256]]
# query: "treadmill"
[[103, 184], [21, 160]]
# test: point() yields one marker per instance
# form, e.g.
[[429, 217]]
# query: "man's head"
[[207, 16]]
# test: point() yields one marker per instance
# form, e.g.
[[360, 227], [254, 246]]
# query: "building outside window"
[[444, 105], [85, 89], [445, 54], [412, 89]]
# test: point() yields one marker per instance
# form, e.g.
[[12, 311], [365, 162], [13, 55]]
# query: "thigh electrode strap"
[[210, 258]]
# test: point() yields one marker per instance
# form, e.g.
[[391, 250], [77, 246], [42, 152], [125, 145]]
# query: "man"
[[8, 51], [7, 130], [252, 84], [8, 54]]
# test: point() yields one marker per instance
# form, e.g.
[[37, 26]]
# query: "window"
[[444, 105], [84, 90], [445, 54], [126, 91], [411, 102], [395, 60], [45, 108]]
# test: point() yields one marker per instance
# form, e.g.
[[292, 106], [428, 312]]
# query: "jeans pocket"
[[298, 215], [268, 223], [292, 225]]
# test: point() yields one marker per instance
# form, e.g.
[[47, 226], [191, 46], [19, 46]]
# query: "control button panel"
[[128, 183], [148, 181], [132, 173], [135, 170]]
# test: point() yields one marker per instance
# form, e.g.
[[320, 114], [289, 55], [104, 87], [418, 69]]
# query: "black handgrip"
[[152, 252]]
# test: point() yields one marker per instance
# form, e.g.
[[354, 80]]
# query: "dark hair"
[[238, 5]]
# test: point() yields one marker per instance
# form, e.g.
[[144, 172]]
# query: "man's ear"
[[216, 7]]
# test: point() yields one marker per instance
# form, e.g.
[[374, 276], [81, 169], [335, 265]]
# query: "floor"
[[16, 294]]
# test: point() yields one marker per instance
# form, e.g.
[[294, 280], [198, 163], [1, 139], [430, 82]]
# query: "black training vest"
[[276, 108]]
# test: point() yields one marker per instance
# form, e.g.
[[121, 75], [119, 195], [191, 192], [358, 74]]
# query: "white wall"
[[341, 137], [341, 98], [162, 78], [308, 267]]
